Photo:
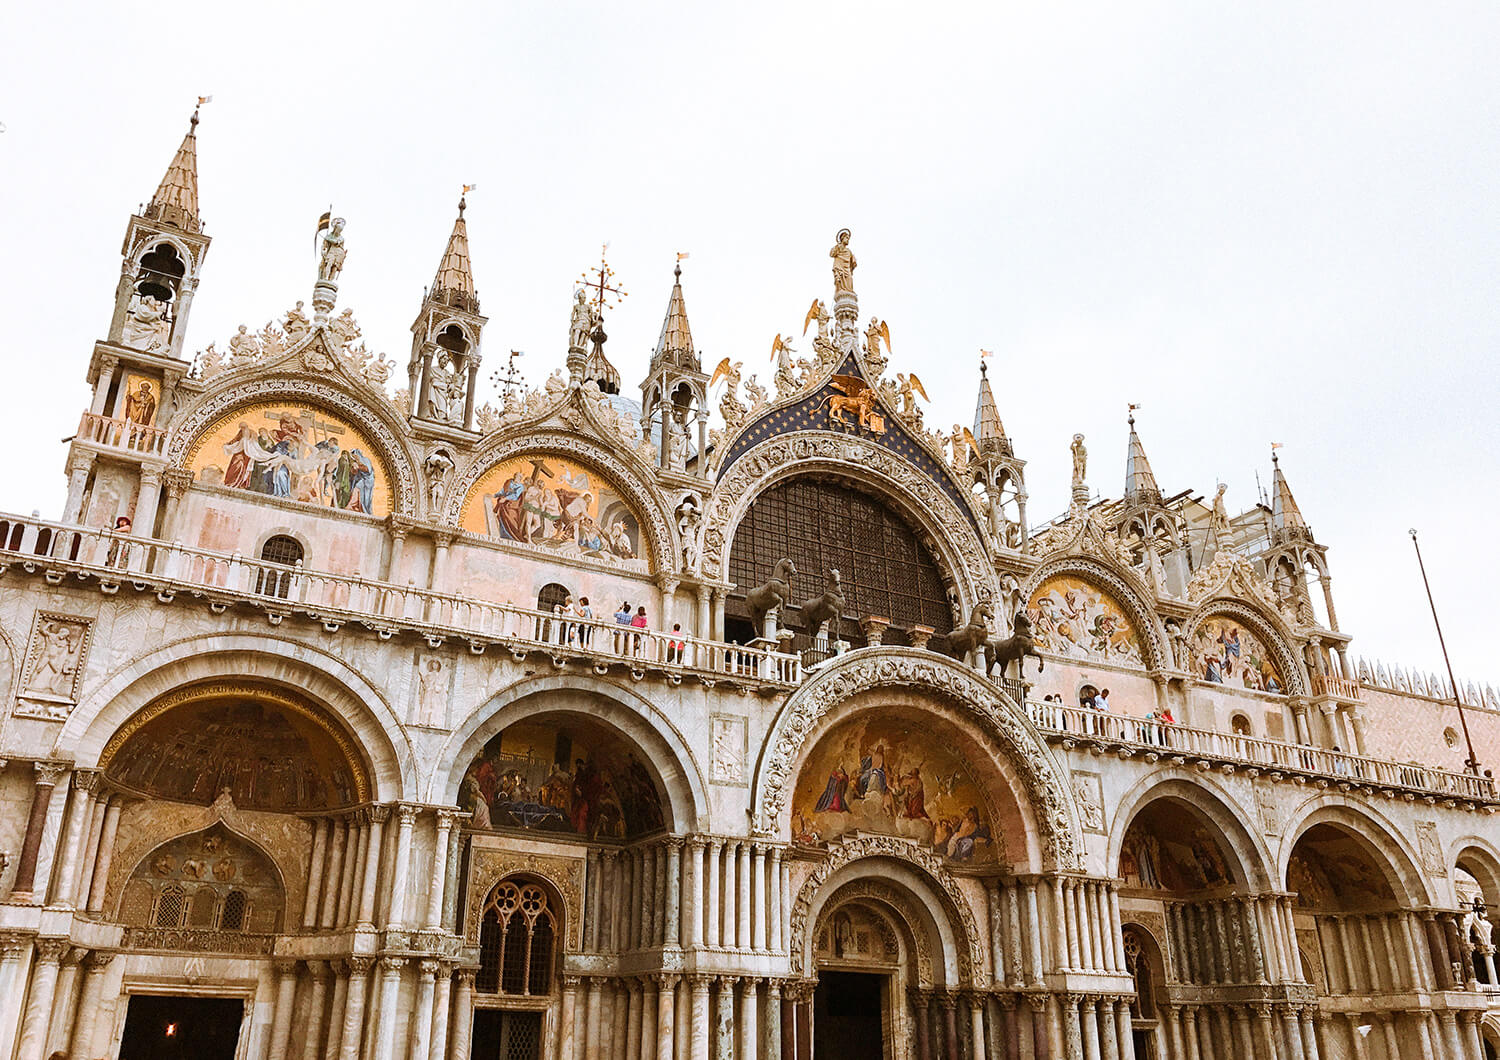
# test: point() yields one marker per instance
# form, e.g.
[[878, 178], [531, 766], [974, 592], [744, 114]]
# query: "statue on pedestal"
[[331, 262], [146, 325], [844, 263]]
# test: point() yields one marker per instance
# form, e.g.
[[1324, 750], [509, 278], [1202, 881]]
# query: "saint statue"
[[297, 324], [146, 325], [582, 322], [334, 252], [843, 263], [1219, 521], [1080, 460]]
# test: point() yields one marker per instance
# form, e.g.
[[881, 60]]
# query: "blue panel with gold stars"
[[812, 413]]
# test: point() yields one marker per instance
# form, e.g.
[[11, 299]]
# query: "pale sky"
[[1271, 224]]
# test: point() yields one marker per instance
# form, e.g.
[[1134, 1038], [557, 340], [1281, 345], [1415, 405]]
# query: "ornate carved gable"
[[810, 411], [1233, 576], [1082, 534]]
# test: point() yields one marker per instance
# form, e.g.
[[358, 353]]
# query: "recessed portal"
[[848, 1016], [182, 1028], [504, 1035]]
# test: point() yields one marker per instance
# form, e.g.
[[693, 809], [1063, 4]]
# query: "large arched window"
[[516, 940], [822, 525]]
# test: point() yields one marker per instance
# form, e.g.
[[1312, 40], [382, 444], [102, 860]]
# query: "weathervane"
[[599, 282]]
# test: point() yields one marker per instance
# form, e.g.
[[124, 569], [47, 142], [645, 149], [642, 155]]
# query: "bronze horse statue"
[[773, 594], [827, 608], [966, 639], [1013, 648]]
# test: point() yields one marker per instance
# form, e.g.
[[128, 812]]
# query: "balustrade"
[[121, 434], [1183, 741]]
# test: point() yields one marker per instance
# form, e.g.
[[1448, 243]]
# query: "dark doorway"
[[503, 1035], [181, 1028], [847, 1015]]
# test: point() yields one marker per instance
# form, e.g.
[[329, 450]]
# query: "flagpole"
[[1473, 761]]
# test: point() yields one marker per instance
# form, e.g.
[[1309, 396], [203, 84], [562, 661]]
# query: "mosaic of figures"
[[1225, 652], [575, 778], [293, 452], [1170, 849], [207, 880], [266, 757], [880, 773], [1329, 869], [1073, 617], [554, 504]]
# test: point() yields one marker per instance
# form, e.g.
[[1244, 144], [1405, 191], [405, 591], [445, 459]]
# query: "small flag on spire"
[[324, 223], [470, 187], [1134, 405], [986, 353], [682, 255], [205, 99], [1275, 446]]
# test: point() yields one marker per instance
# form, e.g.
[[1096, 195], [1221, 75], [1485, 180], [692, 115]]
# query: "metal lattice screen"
[[821, 525]]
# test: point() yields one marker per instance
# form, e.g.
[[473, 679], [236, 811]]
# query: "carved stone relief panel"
[[729, 738], [55, 657], [1090, 795], [1430, 851]]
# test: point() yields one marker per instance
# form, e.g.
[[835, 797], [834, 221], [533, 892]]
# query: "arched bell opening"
[[159, 274]]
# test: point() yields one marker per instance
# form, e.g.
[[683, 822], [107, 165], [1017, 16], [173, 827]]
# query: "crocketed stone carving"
[[908, 667], [1232, 575], [1125, 588], [778, 458], [1267, 632], [971, 953], [648, 504], [488, 867], [298, 388], [897, 904]]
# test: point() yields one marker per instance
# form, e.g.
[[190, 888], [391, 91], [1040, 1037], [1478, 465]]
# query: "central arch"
[[1047, 811]]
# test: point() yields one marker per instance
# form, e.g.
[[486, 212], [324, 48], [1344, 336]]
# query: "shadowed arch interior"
[[1172, 846], [1333, 868]]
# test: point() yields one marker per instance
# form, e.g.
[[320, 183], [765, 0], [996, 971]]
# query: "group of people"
[[575, 625], [1150, 729]]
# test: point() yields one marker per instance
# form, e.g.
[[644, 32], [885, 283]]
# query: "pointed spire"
[[1140, 483], [454, 283], [988, 431], [176, 200], [1285, 515], [676, 341]]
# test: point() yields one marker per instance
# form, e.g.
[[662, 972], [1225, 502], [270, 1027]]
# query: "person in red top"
[[638, 622]]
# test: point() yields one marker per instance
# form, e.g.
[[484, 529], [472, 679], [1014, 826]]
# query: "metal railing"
[[342, 598], [1172, 739], [122, 434]]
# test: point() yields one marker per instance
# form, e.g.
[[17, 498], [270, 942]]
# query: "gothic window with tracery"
[[516, 940], [1138, 964], [171, 907]]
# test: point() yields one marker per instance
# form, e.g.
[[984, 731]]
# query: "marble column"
[[1451, 1044], [1308, 1028], [106, 854], [1291, 1033], [672, 928], [322, 828], [742, 897], [442, 997], [976, 1025], [666, 1015], [1190, 1034], [443, 822], [38, 1013], [419, 1028], [592, 1000], [692, 894], [47, 776], [1034, 934], [649, 1016], [567, 1020], [1124, 1030], [633, 1016], [724, 1018], [64, 1002], [406, 816], [649, 898], [96, 966], [463, 1014], [337, 1006], [698, 1036], [75, 834], [1088, 1020], [749, 1019], [312, 1036], [775, 910], [450, 882], [922, 1008], [333, 874], [770, 1037], [377, 819], [760, 938], [1109, 1034], [354, 1007], [714, 936], [281, 1018], [1041, 1039]]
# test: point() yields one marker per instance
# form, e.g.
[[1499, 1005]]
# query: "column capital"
[[51, 951], [48, 773], [359, 965], [447, 818], [99, 959], [773, 988], [673, 843], [666, 980], [429, 967], [571, 982], [406, 812], [377, 814], [696, 842], [319, 969], [699, 983], [390, 967], [285, 966], [1038, 1002], [466, 975], [948, 999], [85, 779]]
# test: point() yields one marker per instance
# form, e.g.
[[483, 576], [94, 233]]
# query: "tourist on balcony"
[[1339, 765], [676, 644], [119, 551], [586, 627], [638, 622], [622, 618]]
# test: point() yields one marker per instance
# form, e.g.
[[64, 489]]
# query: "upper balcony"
[[112, 433], [58, 550], [166, 567]]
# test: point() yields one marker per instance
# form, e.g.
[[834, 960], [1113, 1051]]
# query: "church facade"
[[347, 715]]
